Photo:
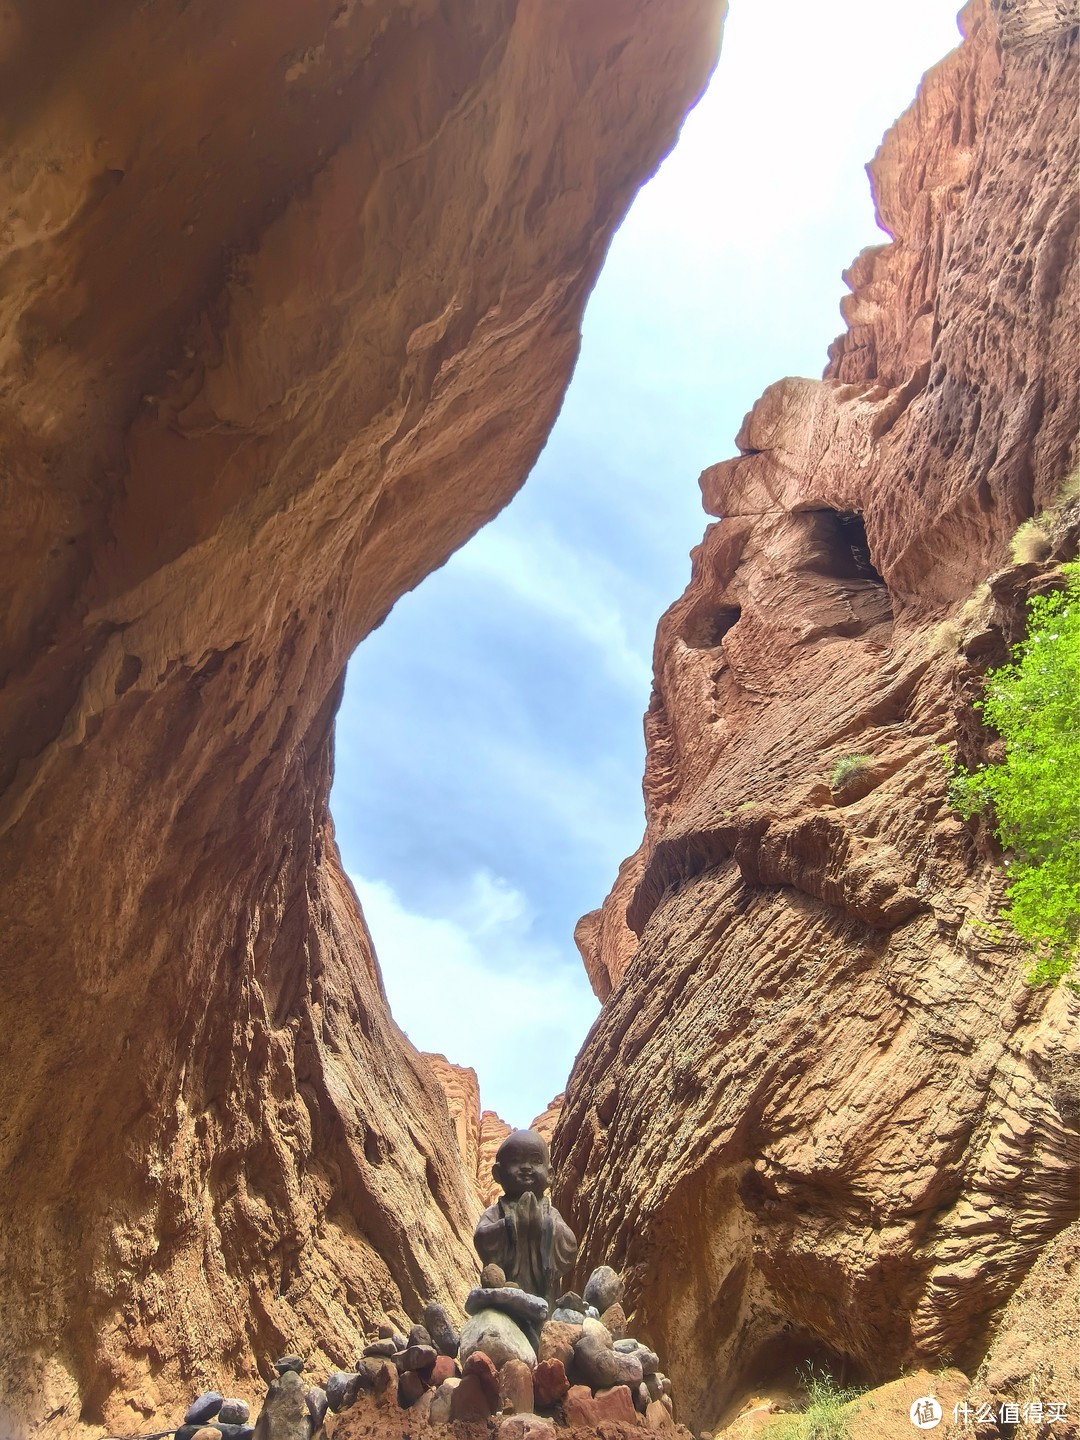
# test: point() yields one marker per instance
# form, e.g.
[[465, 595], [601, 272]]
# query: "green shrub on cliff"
[[1034, 794], [848, 767]]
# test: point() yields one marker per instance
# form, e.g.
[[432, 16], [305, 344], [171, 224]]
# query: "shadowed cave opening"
[[706, 627], [842, 534]]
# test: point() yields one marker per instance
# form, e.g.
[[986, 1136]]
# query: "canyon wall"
[[290, 298], [821, 1116]]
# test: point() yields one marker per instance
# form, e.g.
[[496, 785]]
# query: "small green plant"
[[1034, 794], [848, 767], [822, 1417]]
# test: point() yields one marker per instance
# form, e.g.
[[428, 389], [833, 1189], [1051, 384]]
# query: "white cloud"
[[572, 588], [476, 984]]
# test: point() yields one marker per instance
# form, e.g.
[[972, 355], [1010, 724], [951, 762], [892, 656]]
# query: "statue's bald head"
[[523, 1162]]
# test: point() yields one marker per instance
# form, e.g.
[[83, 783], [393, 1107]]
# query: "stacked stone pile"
[[524, 1371], [531, 1367], [214, 1415]]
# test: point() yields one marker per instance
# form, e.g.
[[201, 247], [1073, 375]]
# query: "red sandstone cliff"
[[290, 296], [821, 1115]]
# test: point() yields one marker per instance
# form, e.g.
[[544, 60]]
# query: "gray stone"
[[604, 1288], [526, 1427], [400, 1341], [386, 1332], [439, 1326], [234, 1412], [526, 1308], [342, 1388], [569, 1317], [416, 1357], [369, 1371], [498, 1336], [601, 1367], [439, 1414], [285, 1414], [650, 1361], [420, 1413], [203, 1408], [317, 1405], [571, 1301], [287, 1363], [227, 1432], [380, 1349], [592, 1312], [419, 1335]]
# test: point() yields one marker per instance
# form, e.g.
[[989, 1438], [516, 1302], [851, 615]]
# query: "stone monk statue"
[[524, 1233]]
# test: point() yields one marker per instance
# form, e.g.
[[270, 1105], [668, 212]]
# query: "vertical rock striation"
[[289, 300], [821, 1116]]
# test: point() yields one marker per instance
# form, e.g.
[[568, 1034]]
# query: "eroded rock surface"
[[821, 1116], [290, 297]]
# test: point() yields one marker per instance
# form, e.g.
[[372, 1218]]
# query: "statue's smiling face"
[[523, 1165]]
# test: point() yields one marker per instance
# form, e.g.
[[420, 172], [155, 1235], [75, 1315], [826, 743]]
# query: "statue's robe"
[[536, 1256]]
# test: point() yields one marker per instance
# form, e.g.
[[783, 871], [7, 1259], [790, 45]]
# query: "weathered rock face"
[[290, 297], [462, 1090], [821, 1116]]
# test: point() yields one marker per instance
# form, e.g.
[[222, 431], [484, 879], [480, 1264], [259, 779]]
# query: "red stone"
[[657, 1417], [482, 1369], [515, 1388], [550, 1383], [445, 1368], [471, 1400], [410, 1387], [614, 1319], [557, 1342], [616, 1404], [579, 1406], [386, 1385]]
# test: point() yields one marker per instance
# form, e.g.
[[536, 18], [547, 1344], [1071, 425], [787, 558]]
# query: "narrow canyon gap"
[[290, 299]]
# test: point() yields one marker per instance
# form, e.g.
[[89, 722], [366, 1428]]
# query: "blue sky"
[[489, 745]]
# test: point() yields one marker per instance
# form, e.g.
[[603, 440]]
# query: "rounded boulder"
[[604, 1288], [498, 1336]]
